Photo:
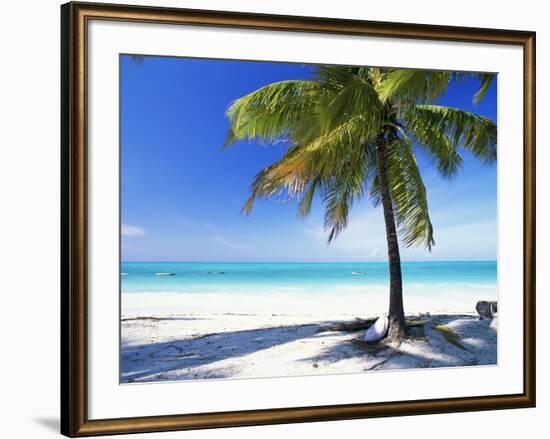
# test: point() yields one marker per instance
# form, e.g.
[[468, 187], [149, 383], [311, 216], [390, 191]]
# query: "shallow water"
[[454, 280]]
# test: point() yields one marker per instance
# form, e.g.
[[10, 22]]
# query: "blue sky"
[[181, 195]]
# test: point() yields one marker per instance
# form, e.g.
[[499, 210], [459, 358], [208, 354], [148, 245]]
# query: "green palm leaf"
[[271, 113], [411, 86], [472, 132], [435, 143], [346, 95], [330, 124], [409, 197], [485, 81], [346, 186], [331, 164]]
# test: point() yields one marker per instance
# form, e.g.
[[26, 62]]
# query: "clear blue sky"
[[181, 195]]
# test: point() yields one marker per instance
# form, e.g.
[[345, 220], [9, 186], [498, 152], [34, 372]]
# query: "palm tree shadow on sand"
[[204, 357], [154, 360], [426, 347]]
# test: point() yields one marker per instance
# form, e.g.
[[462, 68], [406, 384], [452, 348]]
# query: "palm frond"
[[408, 194], [485, 81], [271, 113], [330, 124], [329, 166], [470, 131], [305, 203], [344, 188], [337, 142], [348, 95], [138, 59], [435, 143], [413, 86], [285, 178]]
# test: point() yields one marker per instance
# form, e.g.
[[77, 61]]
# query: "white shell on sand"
[[377, 331]]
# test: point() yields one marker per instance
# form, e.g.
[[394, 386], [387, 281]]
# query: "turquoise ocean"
[[449, 280]]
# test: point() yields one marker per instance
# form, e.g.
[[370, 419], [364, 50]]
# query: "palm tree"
[[350, 131]]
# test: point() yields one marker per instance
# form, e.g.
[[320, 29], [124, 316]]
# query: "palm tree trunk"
[[396, 314]]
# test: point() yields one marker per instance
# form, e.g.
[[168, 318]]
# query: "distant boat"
[[214, 272], [124, 274], [165, 274], [358, 273]]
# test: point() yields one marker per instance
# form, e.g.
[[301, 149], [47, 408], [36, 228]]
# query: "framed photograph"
[[271, 219]]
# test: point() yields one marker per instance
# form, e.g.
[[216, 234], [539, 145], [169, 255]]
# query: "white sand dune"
[[181, 346]]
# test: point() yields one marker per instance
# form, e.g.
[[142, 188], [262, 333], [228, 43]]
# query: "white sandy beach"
[[180, 337]]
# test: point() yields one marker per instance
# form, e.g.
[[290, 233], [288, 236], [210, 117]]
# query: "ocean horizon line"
[[303, 262]]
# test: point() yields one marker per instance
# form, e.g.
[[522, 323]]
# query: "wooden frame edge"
[[529, 216], [74, 421], [298, 415], [73, 222], [65, 326]]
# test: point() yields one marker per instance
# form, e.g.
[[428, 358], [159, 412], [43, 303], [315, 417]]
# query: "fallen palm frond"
[[415, 323], [449, 335], [360, 324]]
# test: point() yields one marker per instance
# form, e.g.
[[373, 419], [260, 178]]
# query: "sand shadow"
[[181, 359], [150, 362], [427, 348]]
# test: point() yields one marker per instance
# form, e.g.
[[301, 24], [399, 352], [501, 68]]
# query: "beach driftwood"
[[485, 309], [356, 325]]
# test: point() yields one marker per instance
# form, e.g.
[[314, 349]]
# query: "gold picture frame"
[[74, 386]]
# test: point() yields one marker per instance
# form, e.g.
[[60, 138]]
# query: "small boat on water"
[[124, 274], [358, 273], [165, 274], [214, 272]]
